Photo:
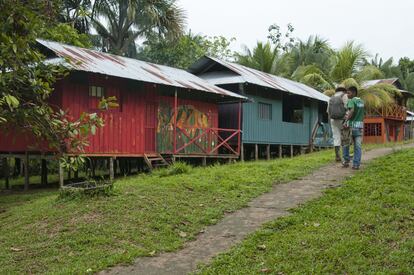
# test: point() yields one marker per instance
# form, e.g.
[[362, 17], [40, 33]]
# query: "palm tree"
[[263, 57], [314, 51], [75, 13], [120, 23]]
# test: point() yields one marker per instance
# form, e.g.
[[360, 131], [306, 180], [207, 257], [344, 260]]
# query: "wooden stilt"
[[268, 152], [93, 166], [242, 152], [61, 175], [291, 151], [280, 151], [204, 161], [43, 172], [6, 173], [256, 152], [22, 167], [26, 171], [111, 169]]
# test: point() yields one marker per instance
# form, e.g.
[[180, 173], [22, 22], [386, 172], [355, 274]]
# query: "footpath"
[[234, 227]]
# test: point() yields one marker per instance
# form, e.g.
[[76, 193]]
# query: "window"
[[265, 111], [292, 108], [95, 95], [372, 129]]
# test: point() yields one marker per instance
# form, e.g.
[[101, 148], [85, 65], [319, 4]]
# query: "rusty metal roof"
[[242, 74], [81, 59], [370, 83]]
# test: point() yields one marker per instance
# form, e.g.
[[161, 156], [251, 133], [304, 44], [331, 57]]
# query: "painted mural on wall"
[[191, 122], [323, 137]]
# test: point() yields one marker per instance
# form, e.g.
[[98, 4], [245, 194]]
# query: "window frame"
[[265, 111]]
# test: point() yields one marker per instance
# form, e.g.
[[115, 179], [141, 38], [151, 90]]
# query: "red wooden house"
[[162, 110], [387, 124]]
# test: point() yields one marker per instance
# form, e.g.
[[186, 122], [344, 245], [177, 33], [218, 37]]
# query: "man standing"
[[336, 111], [354, 119]]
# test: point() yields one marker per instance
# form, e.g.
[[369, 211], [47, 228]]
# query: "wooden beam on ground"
[[26, 171], [256, 152], [280, 151], [268, 152]]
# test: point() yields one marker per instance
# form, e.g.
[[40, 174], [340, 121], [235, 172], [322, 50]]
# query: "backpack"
[[337, 109]]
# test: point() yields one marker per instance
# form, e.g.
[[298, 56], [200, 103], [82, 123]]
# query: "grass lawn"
[[147, 214], [363, 227]]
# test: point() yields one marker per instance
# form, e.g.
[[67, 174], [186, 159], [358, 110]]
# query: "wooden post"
[[6, 173], [93, 163], [301, 149], [239, 141], [22, 167], [204, 161], [242, 152], [268, 152], [43, 172], [280, 151], [61, 175], [26, 171], [291, 151], [111, 169], [175, 122], [256, 152]]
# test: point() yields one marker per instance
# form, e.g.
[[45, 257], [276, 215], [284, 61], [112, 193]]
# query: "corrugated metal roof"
[[370, 83], [247, 75], [81, 59]]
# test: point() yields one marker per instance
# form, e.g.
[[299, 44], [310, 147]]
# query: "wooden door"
[[150, 127]]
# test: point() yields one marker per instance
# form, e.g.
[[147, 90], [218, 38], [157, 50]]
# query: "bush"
[[176, 168]]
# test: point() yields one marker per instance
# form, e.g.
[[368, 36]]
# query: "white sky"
[[382, 26]]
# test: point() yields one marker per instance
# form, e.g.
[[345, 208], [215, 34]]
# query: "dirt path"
[[235, 226]]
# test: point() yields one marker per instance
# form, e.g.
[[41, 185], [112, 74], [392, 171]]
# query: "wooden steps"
[[155, 161]]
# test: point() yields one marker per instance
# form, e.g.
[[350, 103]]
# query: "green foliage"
[[65, 33], [313, 76], [26, 82], [281, 41], [369, 72], [185, 50], [315, 51], [264, 57], [347, 61], [177, 168], [120, 23], [364, 227]]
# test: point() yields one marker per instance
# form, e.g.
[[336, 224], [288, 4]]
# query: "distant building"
[[387, 124], [283, 116]]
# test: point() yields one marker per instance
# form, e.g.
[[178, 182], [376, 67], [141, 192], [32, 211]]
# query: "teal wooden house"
[[282, 117]]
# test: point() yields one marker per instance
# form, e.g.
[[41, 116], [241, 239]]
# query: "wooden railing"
[[207, 141], [392, 111]]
